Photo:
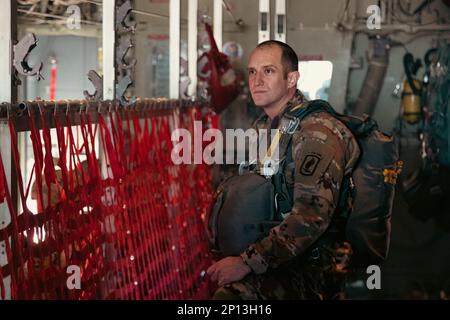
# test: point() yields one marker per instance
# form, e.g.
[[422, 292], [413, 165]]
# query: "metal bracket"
[[184, 85], [289, 125], [123, 29], [97, 81], [20, 55], [121, 18], [280, 20], [264, 21], [121, 89], [126, 43]]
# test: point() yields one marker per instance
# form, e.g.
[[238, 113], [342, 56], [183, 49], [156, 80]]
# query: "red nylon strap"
[[10, 269], [2, 191]]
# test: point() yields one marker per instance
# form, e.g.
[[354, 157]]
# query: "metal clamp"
[[97, 81], [126, 44], [67, 107], [246, 167], [121, 89], [20, 55], [121, 18], [269, 168], [289, 127]]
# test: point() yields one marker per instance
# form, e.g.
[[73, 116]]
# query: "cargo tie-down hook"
[[20, 55], [121, 89], [126, 43], [122, 15], [97, 81]]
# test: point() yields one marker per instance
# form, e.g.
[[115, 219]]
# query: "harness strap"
[[283, 140]]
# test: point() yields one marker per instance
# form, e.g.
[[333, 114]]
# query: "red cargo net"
[[135, 229]]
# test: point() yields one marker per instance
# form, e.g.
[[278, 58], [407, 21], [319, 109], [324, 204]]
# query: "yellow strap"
[[273, 145], [297, 106], [276, 139]]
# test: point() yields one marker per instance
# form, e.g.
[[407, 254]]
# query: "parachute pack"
[[247, 206]]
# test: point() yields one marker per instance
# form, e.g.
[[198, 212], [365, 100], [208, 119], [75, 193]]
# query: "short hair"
[[289, 58]]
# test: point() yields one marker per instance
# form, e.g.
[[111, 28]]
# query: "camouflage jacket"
[[323, 150]]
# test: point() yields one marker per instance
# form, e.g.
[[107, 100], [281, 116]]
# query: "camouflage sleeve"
[[319, 155]]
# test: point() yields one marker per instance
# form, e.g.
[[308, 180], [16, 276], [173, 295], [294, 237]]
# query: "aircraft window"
[[315, 78]]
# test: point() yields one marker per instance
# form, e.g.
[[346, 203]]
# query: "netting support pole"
[[174, 49], [109, 67], [192, 46], [109, 43], [8, 93], [218, 22]]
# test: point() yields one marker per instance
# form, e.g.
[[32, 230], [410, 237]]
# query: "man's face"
[[268, 85]]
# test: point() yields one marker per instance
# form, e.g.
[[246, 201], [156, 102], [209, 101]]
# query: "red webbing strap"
[[40, 254], [103, 195], [94, 264], [12, 268], [123, 185], [118, 236], [140, 156], [124, 189], [26, 231], [160, 138], [2, 286], [170, 194], [49, 167], [50, 226], [147, 211], [175, 174], [110, 150], [76, 176], [38, 156], [62, 161], [2, 191], [134, 211], [67, 197], [120, 142], [137, 213], [145, 218], [193, 239], [89, 143], [204, 199]]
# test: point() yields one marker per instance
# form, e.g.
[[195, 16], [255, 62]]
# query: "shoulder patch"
[[312, 158], [309, 164]]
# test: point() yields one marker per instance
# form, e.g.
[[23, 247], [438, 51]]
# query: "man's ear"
[[293, 77]]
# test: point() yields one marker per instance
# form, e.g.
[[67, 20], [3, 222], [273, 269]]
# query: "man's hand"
[[227, 270]]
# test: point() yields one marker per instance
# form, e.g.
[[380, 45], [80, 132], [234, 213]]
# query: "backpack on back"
[[365, 204], [370, 189]]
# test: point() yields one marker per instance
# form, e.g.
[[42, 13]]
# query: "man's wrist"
[[245, 265], [254, 260]]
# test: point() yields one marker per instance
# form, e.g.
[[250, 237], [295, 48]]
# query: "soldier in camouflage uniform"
[[298, 259]]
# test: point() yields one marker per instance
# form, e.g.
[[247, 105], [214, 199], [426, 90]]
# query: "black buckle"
[[315, 254], [290, 126]]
